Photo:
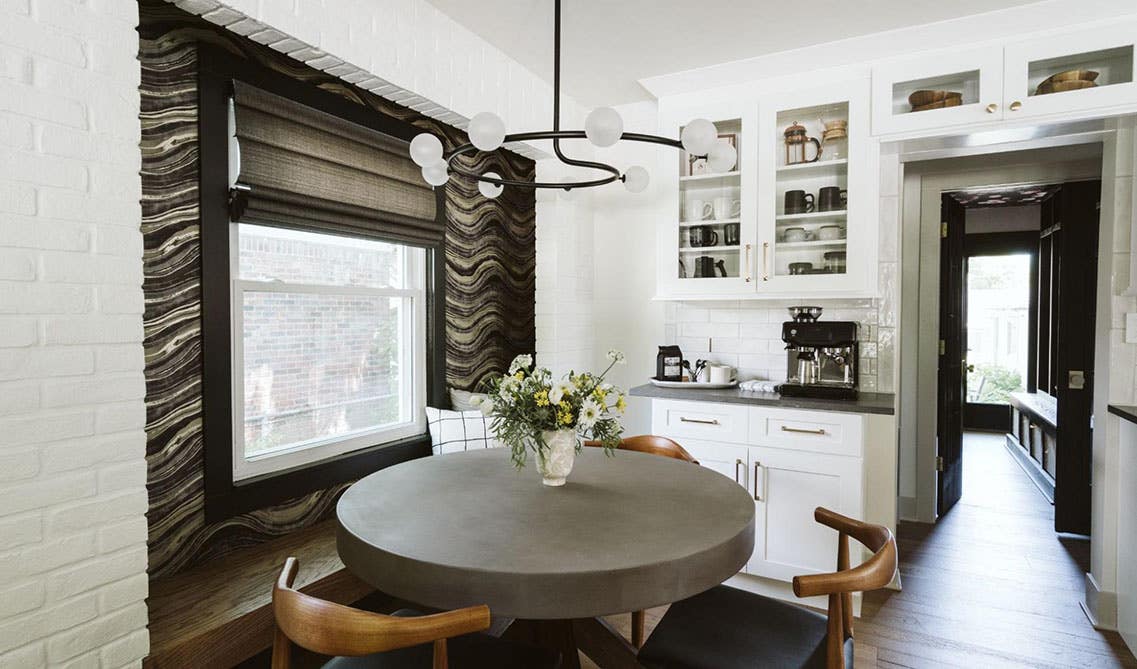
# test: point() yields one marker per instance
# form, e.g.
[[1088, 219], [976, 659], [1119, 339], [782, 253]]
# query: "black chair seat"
[[469, 651], [726, 627]]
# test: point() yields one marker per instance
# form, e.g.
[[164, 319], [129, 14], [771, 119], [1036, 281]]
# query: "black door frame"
[[997, 417], [950, 377]]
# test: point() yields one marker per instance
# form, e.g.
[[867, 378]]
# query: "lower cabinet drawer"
[[817, 431], [730, 460], [700, 420]]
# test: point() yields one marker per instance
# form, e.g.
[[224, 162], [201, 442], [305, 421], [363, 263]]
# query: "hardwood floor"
[[988, 586]]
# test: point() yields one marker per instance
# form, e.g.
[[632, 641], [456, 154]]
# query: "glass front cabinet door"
[[817, 231], [1083, 70], [706, 240]]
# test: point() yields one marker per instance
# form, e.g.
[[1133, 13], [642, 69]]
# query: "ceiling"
[[1005, 196], [608, 45]]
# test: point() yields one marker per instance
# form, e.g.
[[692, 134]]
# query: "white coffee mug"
[[720, 373], [726, 207], [698, 210]]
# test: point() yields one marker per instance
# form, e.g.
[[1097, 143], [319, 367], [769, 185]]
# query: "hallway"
[[990, 585]]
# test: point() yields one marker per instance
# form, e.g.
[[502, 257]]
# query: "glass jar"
[[835, 262], [835, 140]]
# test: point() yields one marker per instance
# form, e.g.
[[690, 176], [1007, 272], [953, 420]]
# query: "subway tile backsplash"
[[748, 335]]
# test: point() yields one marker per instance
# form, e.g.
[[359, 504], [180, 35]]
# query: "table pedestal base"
[[592, 636]]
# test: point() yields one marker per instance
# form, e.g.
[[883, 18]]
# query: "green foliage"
[[997, 384], [527, 402]]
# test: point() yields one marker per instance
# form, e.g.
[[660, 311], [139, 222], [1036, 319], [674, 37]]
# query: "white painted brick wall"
[[72, 450]]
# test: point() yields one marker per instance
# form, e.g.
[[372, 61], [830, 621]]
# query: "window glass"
[[998, 307]]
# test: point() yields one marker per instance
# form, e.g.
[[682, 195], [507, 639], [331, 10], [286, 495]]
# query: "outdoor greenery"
[[527, 402], [992, 384]]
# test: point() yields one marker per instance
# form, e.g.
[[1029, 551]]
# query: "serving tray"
[[692, 384]]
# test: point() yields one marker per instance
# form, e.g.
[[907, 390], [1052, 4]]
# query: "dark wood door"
[[1076, 282], [949, 414]]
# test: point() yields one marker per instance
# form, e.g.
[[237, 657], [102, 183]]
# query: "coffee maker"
[[821, 357]]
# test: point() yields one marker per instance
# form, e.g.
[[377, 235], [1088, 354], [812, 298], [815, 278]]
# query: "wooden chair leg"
[[440, 659], [638, 629]]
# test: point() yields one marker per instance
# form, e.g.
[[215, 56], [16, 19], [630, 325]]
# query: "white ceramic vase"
[[555, 461]]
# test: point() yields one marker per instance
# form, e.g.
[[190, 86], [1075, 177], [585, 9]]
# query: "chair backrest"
[[650, 443], [875, 572], [328, 628]]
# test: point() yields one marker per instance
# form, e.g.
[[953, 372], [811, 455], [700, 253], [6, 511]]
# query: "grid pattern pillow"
[[455, 431]]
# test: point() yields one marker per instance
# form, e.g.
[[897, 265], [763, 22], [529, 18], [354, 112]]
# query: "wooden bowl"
[[926, 97], [946, 102], [1045, 88], [1071, 75]]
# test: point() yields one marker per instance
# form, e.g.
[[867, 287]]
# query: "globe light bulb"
[[490, 190], [486, 131], [603, 126], [722, 157], [436, 174], [426, 149], [699, 136], [636, 179]]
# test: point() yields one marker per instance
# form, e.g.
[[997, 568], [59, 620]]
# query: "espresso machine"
[[821, 357]]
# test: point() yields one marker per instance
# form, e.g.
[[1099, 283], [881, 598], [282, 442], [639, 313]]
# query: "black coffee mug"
[[831, 198], [730, 234], [702, 235], [798, 202], [704, 267]]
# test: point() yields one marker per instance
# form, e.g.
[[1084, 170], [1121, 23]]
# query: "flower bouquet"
[[532, 411]]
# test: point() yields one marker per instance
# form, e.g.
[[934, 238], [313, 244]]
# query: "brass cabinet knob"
[[992, 108], [1015, 106]]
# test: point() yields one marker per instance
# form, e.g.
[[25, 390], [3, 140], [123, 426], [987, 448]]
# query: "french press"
[[796, 142]]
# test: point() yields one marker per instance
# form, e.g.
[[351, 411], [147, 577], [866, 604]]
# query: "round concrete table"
[[624, 534]]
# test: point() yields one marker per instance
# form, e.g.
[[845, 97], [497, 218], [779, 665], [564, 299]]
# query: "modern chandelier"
[[603, 127]]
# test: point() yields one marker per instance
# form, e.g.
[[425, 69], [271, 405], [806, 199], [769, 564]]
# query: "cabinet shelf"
[[838, 215], [821, 168], [711, 180], [710, 221], [707, 249], [814, 244]]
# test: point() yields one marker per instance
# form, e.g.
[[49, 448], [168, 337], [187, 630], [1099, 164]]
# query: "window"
[[328, 346]]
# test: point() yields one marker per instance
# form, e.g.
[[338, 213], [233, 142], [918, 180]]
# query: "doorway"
[[1016, 290]]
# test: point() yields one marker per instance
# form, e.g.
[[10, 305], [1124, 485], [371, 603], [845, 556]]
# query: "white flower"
[[487, 407], [589, 414], [559, 391], [476, 400], [508, 386], [523, 361], [616, 357]]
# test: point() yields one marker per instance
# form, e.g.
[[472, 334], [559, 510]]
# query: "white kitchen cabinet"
[[824, 251], [719, 208], [787, 486], [1000, 82], [790, 461]]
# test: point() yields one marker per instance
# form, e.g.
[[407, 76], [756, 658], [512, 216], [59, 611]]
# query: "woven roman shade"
[[309, 169]]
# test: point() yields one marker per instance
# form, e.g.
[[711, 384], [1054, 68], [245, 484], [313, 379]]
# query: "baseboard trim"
[[1100, 606], [906, 509], [1037, 474], [769, 587]]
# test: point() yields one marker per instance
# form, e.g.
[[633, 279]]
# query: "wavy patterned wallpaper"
[[490, 260]]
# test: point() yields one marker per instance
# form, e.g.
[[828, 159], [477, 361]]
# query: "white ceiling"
[[609, 45]]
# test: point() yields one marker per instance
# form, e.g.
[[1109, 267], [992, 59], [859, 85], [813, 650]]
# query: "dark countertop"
[[879, 403], [1129, 413]]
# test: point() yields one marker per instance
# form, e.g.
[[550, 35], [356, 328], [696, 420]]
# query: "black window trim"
[[223, 497]]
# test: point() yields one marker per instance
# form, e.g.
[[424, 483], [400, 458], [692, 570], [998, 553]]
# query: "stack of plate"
[[1070, 80], [924, 100]]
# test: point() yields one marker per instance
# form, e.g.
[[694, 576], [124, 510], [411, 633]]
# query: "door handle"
[[747, 263], [757, 466], [1015, 106], [737, 464], [799, 430], [684, 419], [765, 261], [992, 108]]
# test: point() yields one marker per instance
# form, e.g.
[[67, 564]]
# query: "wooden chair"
[[726, 627], [365, 640], [649, 443]]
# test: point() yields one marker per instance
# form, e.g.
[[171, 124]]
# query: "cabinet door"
[[976, 75], [1106, 51], [705, 245], [787, 486], [828, 247], [727, 459]]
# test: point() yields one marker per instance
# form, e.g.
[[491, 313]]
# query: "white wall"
[[1002, 219], [72, 449]]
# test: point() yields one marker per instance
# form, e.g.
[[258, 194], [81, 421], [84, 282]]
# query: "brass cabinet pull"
[[747, 263], [799, 430], [992, 108], [757, 466], [737, 464], [1015, 106], [765, 261], [684, 419]]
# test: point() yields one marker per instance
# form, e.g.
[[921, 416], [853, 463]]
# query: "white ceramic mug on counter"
[[720, 374]]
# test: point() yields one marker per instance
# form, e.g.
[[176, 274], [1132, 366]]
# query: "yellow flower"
[[565, 417], [621, 404], [520, 375], [600, 394], [542, 398], [565, 406]]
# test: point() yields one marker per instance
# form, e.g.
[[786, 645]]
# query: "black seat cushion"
[[726, 627], [469, 651]]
